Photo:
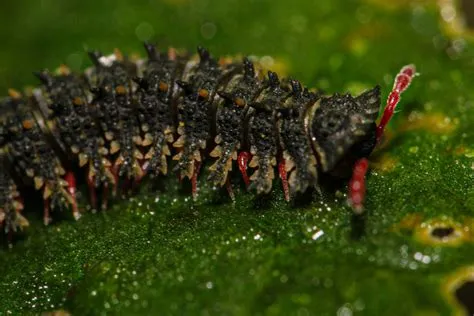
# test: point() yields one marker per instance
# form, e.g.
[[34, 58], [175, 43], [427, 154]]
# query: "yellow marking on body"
[[163, 86], [216, 152], [64, 70], [28, 124], [21, 221], [103, 151], [59, 170], [114, 147], [83, 158], [228, 60], [166, 150], [239, 102], [14, 94], [172, 54], [121, 90], [30, 172], [77, 101], [203, 93], [178, 156], [179, 142], [147, 140], [150, 153], [109, 135], [47, 192], [164, 165], [118, 55], [197, 155], [137, 140], [39, 181], [106, 162]]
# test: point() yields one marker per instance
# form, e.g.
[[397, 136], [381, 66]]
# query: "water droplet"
[[317, 235], [144, 31], [208, 30]]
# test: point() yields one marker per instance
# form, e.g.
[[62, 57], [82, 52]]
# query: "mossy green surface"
[[161, 253]]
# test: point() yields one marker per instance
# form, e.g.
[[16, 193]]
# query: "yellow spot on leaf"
[[452, 283], [452, 21], [436, 123], [442, 231], [409, 222], [399, 4], [384, 163]]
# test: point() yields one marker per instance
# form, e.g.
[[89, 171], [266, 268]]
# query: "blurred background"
[[325, 43]]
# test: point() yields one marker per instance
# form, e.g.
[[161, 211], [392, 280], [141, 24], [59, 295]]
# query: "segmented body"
[[122, 120]]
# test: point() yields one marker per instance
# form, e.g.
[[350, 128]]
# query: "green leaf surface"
[[161, 253]]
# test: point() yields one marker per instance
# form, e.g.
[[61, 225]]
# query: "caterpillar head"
[[343, 125]]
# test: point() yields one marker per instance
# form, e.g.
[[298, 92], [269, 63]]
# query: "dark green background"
[[257, 256]]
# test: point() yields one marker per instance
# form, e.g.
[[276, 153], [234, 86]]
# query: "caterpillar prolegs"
[[123, 119]]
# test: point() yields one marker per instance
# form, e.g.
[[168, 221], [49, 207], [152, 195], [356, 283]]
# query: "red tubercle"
[[242, 160], [105, 197], [71, 188], [357, 185], [197, 167], [284, 180], [46, 205]]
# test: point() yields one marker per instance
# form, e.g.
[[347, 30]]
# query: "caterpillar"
[[120, 120]]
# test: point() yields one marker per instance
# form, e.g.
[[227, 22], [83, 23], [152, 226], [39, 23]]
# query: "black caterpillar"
[[122, 119]]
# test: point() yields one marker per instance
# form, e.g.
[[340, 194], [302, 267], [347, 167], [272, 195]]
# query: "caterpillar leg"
[[46, 207], [357, 185], [92, 191], [71, 188], [357, 182], [284, 179], [105, 196], [115, 177], [228, 186], [139, 177], [242, 160], [197, 166]]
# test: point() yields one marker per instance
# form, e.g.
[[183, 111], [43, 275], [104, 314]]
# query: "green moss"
[[173, 256]]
